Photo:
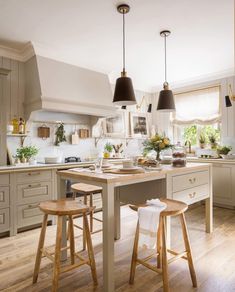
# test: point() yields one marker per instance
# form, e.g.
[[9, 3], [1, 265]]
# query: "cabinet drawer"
[[192, 195], [4, 220], [4, 179], [33, 192], [4, 197], [189, 180], [32, 176], [28, 215]]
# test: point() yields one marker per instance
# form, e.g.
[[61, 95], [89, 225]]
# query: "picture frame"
[[139, 125], [115, 125]]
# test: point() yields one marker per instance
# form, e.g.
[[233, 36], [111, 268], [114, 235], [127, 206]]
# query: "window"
[[197, 112]]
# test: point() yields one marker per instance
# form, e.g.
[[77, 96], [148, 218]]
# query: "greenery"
[[156, 143], [190, 133], [108, 147], [224, 150], [60, 135], [26, 152], [202, 138]]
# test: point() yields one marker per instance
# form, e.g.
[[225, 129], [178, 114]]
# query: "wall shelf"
[[21, 136]]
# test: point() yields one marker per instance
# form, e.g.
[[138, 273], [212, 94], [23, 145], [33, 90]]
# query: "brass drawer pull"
[[34, 186], [192, 195], [192, 180], [33, 206], [34, 173]]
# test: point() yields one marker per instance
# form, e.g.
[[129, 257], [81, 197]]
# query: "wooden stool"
[[60, 208], [174, 208], [85, 190]]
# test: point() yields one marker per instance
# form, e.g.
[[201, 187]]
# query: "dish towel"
[[148, 222]]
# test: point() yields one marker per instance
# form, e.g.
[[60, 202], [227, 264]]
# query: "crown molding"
[[19, 55]]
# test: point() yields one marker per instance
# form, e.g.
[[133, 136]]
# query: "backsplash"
[[85, 149]]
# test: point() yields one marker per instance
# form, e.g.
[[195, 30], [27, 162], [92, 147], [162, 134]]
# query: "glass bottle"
[[179, 156], [15, 124], [21, 126]]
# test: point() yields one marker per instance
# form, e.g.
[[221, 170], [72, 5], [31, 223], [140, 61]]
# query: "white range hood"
[[55, 86]]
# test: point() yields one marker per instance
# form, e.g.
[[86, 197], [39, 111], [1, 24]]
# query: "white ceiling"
[[88, 34]]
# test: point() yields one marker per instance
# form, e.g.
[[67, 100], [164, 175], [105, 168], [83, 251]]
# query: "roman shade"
[[200, 107]]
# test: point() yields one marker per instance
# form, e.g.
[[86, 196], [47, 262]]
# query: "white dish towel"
[[148, 222]]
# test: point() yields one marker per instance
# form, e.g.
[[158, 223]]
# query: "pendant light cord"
[[165, 59], [123, 42]]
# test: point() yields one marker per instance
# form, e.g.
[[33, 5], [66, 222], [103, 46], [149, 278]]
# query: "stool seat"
[[86, 189], [64, 207], [173, 208]]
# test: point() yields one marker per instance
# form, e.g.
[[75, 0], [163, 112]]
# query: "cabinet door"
[[223, 184]]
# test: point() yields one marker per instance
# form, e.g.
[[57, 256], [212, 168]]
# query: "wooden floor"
[[214, 257]]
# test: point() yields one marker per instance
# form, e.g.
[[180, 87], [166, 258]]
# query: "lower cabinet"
[[28, 215], [4, 220], [224, 184]]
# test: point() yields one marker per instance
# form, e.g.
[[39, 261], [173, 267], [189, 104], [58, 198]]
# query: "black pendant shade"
[[166, 101], [124, 92], [227, 101], [149, 110]]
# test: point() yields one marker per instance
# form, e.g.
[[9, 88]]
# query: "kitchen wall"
[[87, 148]]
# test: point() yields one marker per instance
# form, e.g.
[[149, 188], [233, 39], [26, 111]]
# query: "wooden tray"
[[124, 171]]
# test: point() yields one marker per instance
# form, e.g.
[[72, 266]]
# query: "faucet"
[[188, 142]]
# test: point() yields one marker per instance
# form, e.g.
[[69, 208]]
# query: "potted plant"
[[60, 135], [213, 142], [26, 153], [202, 141], [157, 143], [108, 148], [223, 151]]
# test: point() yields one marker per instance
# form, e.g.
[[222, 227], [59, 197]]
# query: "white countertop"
[[6, 168], [211, 160]]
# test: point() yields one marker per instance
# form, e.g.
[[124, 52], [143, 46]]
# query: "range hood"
[[56, 86]]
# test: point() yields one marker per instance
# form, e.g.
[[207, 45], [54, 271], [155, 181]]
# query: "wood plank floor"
[[214, 257]]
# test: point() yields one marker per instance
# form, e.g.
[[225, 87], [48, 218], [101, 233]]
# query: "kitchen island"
[[190, 184]]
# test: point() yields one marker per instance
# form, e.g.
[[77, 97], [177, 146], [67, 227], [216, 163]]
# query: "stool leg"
[[39, 251], [188, 250], [71, 238], [56, 271], [159, 244], [91, 213], [164, 258], [90, 249], [134, 255], [83, 231]]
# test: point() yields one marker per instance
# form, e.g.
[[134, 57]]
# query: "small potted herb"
[[223, 151], [202, 141], [25, 154], [213, 142], [108, 148]]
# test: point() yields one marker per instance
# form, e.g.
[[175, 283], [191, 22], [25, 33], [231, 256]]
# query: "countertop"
[[13, 168], [211, 160]]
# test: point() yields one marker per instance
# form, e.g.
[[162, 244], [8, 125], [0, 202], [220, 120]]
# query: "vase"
[[158, 156]]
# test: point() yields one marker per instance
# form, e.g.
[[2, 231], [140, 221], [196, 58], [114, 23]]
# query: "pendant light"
[[124, 92], [166, 99]]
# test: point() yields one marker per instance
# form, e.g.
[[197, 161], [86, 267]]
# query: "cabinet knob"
[[192, 180], [192, 195]]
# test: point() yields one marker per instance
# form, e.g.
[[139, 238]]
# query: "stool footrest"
[[182, 255], [147, 265], [71, 267]]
